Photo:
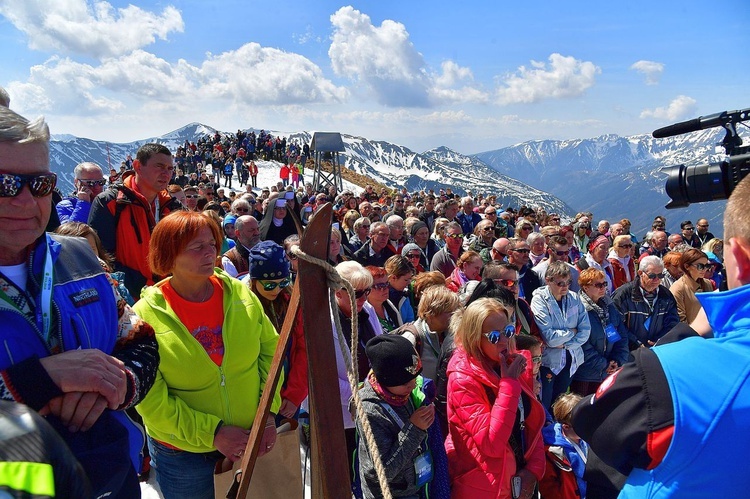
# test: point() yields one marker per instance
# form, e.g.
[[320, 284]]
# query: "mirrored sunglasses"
[[380, 286], [494, 336], [455, 236], [270, 286], [39, 185]]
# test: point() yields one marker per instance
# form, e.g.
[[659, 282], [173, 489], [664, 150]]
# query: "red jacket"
[[480, 458], [620, 277], [284, 172]]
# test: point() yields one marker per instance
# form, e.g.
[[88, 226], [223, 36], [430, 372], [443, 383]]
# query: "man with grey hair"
[[73, 350], [236, 261], [649, 309], [673, 241], [467, 218], [376, 250], [88, 183]]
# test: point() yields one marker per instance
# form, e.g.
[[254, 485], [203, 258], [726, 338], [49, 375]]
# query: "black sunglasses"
[[362, 292], [94, 183], [494, 336], [39, 185]]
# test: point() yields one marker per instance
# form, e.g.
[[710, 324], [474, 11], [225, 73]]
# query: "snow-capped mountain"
[[392, 165], [614, 177]]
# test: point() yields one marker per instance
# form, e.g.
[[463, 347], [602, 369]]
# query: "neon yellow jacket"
[[191, 394]]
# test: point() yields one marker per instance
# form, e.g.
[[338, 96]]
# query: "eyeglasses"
[[191, 196], [362, 293], [700, 226], [242, 210], [525, 227], [495, 335], [556, 219], [380, 286], [599, 285], [559, 252], [489, 228], [399, 201], [455, 236], [416, 256], [626, 246], [209, 193], [524, 251], [536, 359], [39, 185], [562, 284], [93, 183], [702, 266], [270, 286], [653, 276], [688, 228], [508, 283]]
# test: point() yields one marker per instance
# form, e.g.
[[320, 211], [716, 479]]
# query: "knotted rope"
[[336, 282]]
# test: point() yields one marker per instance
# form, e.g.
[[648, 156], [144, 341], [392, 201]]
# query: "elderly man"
[[365, 209], [657, 245], [467, 218], [375, 251], [397, 240], [673, 420], [236, 261], [649, 309], [88, 183], [72, 349], [125, 214], [701, 231], [673, 241]]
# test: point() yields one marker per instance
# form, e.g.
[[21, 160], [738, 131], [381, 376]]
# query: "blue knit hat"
[[268, 261]]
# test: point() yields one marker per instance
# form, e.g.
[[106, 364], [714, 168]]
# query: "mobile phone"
[[515, 486]]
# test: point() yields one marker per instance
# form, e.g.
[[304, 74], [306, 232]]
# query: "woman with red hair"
[[216, 346]]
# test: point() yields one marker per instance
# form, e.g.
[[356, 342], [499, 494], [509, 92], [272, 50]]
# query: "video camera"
[[713, 181]]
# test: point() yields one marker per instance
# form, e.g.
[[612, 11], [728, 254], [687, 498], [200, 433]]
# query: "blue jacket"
[[709, 380], [85, 315], [553, 437], [72, 209], [634, 309], [598, 351], [468, 222]]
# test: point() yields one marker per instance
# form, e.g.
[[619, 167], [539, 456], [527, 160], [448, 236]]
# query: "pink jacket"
[[480, 458]]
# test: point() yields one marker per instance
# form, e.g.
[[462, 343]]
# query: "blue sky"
[[470, 75]]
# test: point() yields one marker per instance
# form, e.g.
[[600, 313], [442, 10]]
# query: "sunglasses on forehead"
[[39, 185], [495, 335]]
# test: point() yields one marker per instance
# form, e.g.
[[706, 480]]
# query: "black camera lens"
[[696, 184]]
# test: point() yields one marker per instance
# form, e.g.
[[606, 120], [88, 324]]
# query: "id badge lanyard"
[[44, 310]]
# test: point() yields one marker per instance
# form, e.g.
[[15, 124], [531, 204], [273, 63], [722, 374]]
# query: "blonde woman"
[[488, 384]]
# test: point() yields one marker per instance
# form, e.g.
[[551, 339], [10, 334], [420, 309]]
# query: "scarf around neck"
[[601, 307], [383, 393]]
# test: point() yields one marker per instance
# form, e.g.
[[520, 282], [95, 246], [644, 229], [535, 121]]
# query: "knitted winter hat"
[[393, 359], [410, 247], [268, 261], [416, 227]]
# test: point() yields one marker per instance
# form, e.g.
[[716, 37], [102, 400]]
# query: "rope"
[[335, 282]]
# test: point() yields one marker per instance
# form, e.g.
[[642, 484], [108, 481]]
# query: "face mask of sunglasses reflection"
[[271, 285], [42, 185]]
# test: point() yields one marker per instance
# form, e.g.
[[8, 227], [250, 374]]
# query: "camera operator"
[[675, 420]]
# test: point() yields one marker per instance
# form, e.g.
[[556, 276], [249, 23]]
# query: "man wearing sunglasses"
[[72, 350], [649, 309], [692, 396], [558, 250], [518, 255], [89, 182], [125, 215]]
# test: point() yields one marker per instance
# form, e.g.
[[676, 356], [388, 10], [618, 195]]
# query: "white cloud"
[[89, 28], [564, 77], [249, 75], [381, 58], [267, 76], [680, 107], [650, 69], [447, 85]]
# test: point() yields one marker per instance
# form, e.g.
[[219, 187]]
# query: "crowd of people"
[[503, 352]]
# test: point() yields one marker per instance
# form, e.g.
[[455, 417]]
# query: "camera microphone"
[[702, 122]]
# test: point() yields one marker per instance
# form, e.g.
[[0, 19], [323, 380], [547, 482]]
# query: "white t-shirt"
[[16, 273]]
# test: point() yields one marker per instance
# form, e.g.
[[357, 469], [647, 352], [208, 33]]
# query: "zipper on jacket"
[[224, 394]]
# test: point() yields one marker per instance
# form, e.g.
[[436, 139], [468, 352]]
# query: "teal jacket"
[[192, 395]]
